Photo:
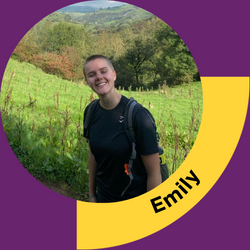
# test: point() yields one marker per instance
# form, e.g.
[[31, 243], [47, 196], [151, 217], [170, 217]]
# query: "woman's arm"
[[92, 177], [152, 165]]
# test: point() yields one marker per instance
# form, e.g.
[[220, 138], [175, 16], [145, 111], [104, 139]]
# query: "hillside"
[[90, 6], [120, 15], [98, 18], [77, 9], [42, 118]]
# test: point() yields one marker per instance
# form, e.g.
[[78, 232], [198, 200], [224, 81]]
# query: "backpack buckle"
[[126, 166]]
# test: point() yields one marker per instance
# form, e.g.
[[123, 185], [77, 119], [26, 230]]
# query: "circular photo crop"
[[106, 53]]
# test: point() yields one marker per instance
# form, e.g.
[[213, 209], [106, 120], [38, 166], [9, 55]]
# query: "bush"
[[24, 51], [52, 63], [73, 56]]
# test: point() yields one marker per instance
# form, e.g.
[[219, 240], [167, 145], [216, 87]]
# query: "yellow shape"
[[225, 102]]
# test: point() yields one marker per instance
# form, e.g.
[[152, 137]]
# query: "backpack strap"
[[130, 110], [153, 122], [87, 119]]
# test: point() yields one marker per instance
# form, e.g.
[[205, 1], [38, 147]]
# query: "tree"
[[139, 46], [73, 56], [63, 34], [27, 47], [173, 61], [139, 52], [67, 18]]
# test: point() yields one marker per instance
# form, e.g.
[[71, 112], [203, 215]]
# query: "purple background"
[[34, 217]]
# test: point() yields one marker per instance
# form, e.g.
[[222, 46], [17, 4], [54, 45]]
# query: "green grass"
[[42, 118]]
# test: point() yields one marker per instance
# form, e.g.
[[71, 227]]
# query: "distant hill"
[[125, 14], [77, 9], [100, 4], [90, 6], [96, 18]]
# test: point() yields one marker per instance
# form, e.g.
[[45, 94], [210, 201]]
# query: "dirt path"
[[63, 191]]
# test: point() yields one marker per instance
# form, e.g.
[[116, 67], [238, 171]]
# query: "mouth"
[[101, 84]]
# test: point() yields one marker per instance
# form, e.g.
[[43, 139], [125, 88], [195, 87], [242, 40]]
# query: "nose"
[[99, 75]]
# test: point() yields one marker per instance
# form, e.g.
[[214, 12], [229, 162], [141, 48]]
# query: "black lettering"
[[185, 183], [155, 205], [172, 197], [195, 178], [181, 188]]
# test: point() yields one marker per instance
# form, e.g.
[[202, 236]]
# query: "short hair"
[[93, 57]]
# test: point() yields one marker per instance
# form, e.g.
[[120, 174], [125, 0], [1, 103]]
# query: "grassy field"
[[42, 118]]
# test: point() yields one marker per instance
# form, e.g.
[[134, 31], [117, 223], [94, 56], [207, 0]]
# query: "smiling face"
[[100, 76]]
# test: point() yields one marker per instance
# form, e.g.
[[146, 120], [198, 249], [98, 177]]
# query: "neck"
[[110, 101]]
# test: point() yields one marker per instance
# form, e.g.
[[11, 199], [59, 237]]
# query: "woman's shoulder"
[[92, 105], [124, 99], [94, 102], [140, 113], [143, 113], [143, 117]]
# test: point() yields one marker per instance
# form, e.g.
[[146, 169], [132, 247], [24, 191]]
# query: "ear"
[[114, 72]]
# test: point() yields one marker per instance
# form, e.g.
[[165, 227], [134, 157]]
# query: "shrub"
[[52, 63], [24, 51], [73, 56]]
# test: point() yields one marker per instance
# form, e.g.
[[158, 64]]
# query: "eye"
[[104, 71], [91, 75]]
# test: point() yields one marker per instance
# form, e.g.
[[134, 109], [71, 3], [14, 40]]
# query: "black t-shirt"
[[112, 150]]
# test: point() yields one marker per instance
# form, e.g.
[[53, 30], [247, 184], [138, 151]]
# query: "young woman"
[[109, 147]]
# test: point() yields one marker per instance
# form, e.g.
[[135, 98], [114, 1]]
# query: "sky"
[[100, 3]]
